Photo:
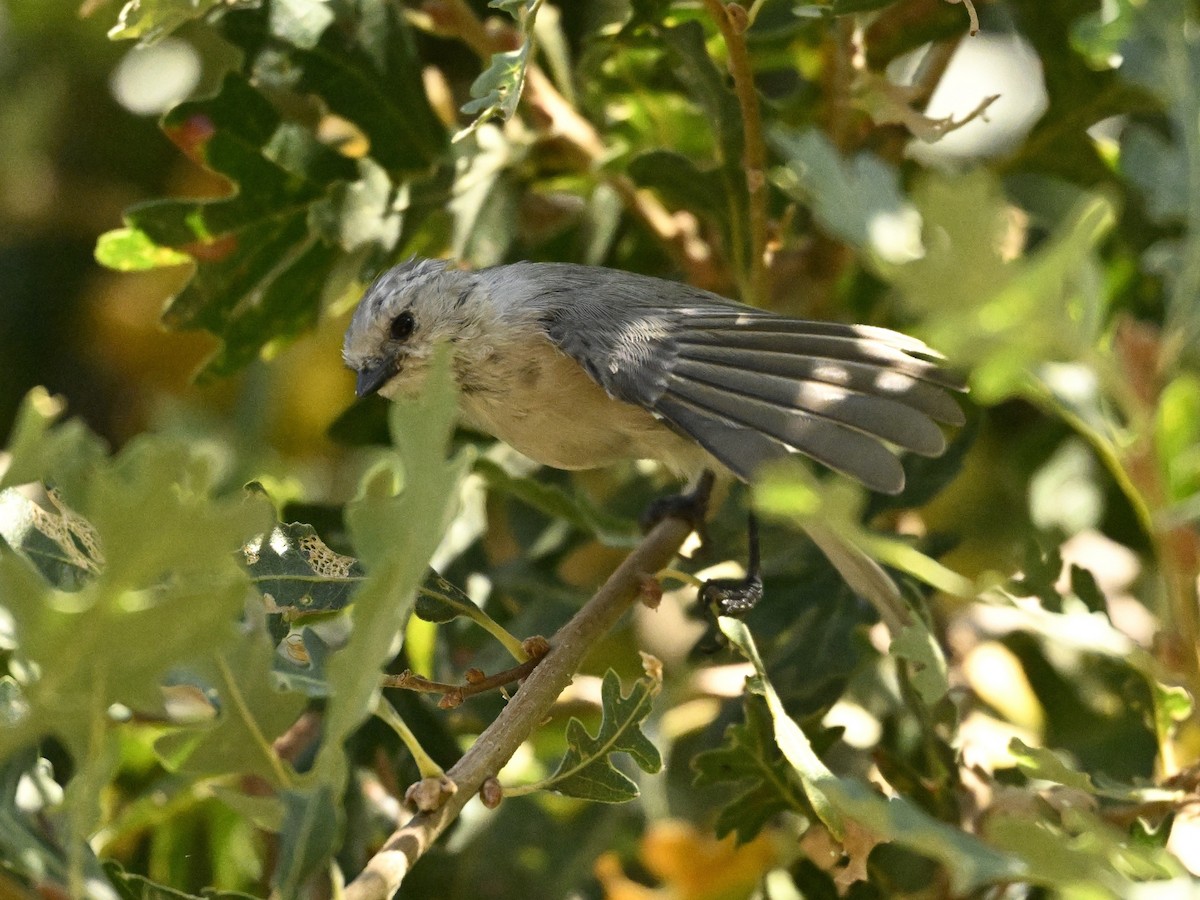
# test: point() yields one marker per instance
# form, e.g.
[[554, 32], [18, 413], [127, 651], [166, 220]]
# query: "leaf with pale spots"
[[297, 573]]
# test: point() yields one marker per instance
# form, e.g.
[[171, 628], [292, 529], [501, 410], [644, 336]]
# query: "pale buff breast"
[[540, 401]]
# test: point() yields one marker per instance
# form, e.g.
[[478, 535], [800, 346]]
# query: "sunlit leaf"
[[130, 250], [792, 742], [1081, 853], [483, 201], [1178, 435], [969, 862], [1004, 318], [150, 20], [497, 90], [298, 572], [302, 219], [857, 200], [40, 450], [44, 530]]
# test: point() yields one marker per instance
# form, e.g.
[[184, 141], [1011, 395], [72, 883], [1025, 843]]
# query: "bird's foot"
[[691, 507], [731, 596]]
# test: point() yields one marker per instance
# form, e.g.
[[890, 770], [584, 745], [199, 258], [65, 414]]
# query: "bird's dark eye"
[[402, 326]]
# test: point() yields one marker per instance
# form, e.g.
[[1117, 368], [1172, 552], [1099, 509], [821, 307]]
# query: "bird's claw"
[[731, 596], [691, 507]]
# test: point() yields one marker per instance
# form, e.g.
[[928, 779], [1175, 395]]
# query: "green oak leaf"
[[60, 543], [297, 572], [749, 754], [927, 663], [969, 861], [302, 220], [308, 836], [42, 450], [251, 711], [166, 587], [497, 89], [150, 20], [166, 549], [859, 200], [586, 770]]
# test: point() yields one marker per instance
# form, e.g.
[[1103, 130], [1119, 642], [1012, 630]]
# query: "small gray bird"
[[579, 366]]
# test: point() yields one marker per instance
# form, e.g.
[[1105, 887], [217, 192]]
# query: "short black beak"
[[372, 378]]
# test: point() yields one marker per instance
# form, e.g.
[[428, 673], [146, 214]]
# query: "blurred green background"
[[81, 117]]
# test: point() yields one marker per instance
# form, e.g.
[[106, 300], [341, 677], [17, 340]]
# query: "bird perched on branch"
[[580, 366]]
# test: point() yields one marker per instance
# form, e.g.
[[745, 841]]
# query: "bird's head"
[[401, 317]]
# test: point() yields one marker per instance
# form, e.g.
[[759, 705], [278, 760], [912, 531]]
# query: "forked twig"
[[386, 870]]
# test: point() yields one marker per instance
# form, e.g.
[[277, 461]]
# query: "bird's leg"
[[718, 596], [690, 506], [736, 596]]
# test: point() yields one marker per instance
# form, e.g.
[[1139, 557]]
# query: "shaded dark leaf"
[[311, 826], [749, 754]]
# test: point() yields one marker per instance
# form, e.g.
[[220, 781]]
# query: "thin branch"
[[454, 694], [840, 71], [932, 67], [387, 869], [302, 734], [732, 26]]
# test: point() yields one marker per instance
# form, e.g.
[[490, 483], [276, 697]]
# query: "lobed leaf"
[[859, 201], [586, 771], [970, 863], [497, 89], [749, 754], [297, 572], [303, 218]]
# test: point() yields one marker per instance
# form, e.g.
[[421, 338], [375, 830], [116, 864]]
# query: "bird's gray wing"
[[750, 386]]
